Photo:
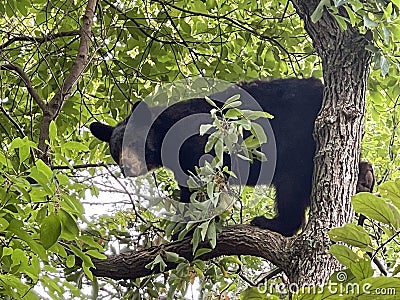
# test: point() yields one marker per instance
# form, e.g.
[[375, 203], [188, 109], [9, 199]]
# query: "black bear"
[[294, 103]]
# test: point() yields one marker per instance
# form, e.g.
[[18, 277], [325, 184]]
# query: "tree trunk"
[[338, 133]]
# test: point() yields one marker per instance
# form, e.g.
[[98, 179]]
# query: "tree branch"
[[38, 40], [233, 240], [27, 81], [75, 167], [54, 107]]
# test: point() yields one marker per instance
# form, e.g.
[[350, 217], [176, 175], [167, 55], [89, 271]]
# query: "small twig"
[[275, 271], [284, 12], [15, 123], [385, 243], [84, 166], [27, 81], [39, 40], [127, 192]]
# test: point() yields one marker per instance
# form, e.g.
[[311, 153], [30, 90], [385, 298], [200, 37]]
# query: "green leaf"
[[368, 23], [254, 115], [19, 258], [259, 133], [362, 269], [203, 227], [259, 155], [204, 128], [72, 205], [319, 10], [23, 7], [351, 234], [3, 159], [384, 66], [391, 191], [7, 251], [232, 104], [70, 261], [245, 123], [212, 139], [252, 293], [52, 131], [245, 158], [50, 231], [196, 239], [375, 208], [33, 269], [17, 227], [233, 113], [172, 257], [24, 146], [73, 145], [219, 150], [10, 281], [230, 141], [210, 189], [96, 254], [342, 21], [69, 227], [386, 34], [231, 100], [3, 224], [339, 3], [211, 102], [201, 251], [344, 255], [251, 142], [351, 14], [91, 241], [396, 2], [24, 153], [45, 169], [212, 234], [157, 261], [87, 271], [85, 258], [16, 143]]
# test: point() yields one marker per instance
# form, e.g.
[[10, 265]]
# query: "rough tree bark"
[[338, 133], [233, 240]]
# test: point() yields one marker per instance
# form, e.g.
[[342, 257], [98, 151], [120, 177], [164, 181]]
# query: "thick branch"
[[54, 107], [38, 40], [27, 81], [233, 240]]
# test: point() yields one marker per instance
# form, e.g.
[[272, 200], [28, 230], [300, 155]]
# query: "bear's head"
[[129, 140]]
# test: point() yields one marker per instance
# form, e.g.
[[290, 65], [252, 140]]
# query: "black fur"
[[294, 104]]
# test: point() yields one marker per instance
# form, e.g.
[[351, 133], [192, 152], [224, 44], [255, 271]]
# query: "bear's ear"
[[102, 131], [141, 113]]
